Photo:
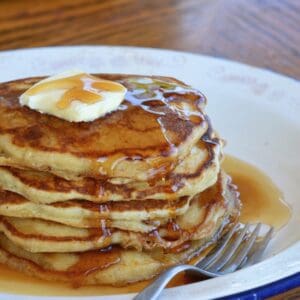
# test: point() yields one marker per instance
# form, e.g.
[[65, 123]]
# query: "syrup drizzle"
[[262, 201], [152, 95]]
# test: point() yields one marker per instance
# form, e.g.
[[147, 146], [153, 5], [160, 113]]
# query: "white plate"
[[258, 112]]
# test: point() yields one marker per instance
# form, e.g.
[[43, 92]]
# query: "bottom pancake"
[[115, 267]]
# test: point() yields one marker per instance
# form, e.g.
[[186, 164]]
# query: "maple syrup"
[[261, 199]]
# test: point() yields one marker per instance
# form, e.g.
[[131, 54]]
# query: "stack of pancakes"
[[116, 200]]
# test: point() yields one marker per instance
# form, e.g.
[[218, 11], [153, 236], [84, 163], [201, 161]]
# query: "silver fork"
[[239, 247]]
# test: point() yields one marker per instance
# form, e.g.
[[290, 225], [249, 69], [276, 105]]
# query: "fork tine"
[[229, 251], [217, 251], [260, 248], [231, 266]]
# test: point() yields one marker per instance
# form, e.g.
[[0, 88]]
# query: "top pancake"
[[156, 126]]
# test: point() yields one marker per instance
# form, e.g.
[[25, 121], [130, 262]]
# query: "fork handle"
[[152, 291]]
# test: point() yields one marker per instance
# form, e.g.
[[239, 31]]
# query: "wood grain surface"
[[265, 33]]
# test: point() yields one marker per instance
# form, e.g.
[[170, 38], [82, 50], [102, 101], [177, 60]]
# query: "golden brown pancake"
[[86, 214], [198, 171], [117, 267], [156, 126]]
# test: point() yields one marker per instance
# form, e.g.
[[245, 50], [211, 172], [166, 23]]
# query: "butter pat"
[[74, 96]]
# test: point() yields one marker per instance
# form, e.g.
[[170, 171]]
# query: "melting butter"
[[74, 96]]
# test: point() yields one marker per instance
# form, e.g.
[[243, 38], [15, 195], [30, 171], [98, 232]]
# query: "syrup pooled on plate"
[[261, 199]]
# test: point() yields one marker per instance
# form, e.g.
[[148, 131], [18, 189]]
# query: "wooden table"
[[264, 33]]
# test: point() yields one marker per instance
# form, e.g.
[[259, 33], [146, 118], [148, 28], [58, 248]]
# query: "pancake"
[[198, 171], [85, 214], [156, 126], [116, 267], [207, 210]]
